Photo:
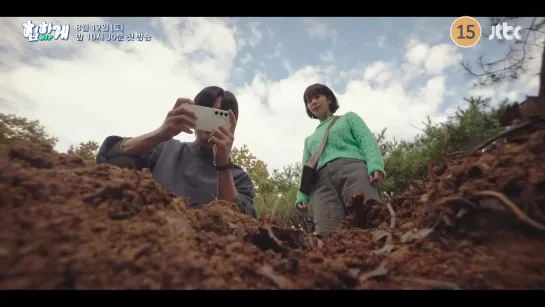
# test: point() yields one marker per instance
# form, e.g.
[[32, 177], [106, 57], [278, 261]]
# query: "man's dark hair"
[[208, 96], [318, 89]]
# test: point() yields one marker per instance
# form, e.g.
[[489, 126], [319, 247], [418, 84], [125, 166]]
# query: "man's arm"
[[236, 186], [134, 147], [136, 153], [143, 151]]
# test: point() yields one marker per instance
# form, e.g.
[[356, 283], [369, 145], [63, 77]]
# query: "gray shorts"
[[330, 195]]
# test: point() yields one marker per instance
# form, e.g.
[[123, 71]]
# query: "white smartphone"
[[208, 119]]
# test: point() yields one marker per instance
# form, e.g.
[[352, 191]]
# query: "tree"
[[287, 178], [282, 188], [87, 150], [514, 63], [474, 124], [14, 129], [272, 190], [407, 161], [256, 169]]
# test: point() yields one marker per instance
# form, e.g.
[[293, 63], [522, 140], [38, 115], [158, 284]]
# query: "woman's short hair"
[[318, 89], [208, 96]]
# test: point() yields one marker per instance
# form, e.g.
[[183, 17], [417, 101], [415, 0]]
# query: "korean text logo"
[[505, 31], [45, 31]]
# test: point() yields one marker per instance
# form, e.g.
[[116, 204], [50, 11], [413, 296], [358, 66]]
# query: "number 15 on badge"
[[465, 32]]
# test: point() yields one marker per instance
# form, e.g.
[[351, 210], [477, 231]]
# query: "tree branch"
[[513, 64]]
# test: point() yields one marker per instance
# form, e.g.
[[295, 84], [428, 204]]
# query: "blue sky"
[[393, 72]]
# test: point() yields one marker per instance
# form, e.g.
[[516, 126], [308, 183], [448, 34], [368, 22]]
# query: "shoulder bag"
[[308, 175]]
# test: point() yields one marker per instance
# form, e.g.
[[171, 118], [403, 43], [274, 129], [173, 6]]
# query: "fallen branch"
[[511, 205], [281, 281], [434, 284], [393, 218], [454, 200], [500, 197], [503, 134], [271, 234], [381, 270]]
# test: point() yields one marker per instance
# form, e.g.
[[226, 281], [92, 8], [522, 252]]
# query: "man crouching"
[[192, 170]]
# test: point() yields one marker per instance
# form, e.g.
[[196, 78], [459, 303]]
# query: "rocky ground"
[[478, 223]]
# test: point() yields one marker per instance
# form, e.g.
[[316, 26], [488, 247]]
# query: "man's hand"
[[223, 138], [376, 177], [178, 119]]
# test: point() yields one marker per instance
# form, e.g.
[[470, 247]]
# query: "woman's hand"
[[303, 207], [376, 177]]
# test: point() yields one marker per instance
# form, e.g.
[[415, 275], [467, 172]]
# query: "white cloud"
[[126, 89], [318, 29], [381, 40], [277, 52], [247, 58], [270, 33], [434, 59], [286, 65], [327, 57], [256, 34]]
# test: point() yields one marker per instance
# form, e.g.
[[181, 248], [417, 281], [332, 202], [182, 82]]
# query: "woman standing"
[[351, 161]]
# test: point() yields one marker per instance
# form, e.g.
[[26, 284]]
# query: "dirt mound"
[[66, 223]]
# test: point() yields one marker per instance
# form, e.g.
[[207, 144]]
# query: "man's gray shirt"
[[184, 168]]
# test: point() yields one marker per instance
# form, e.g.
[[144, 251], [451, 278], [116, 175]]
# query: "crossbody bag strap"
[[313, 161]]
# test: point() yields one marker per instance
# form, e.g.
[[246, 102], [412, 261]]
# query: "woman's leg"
[[350, 176], [324, 199]]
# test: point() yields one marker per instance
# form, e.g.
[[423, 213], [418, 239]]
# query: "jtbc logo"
[[503, 31]]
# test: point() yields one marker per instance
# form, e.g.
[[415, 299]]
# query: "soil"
[[478, 223]]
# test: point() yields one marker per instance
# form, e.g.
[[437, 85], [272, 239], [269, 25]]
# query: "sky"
[[393, 72]]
